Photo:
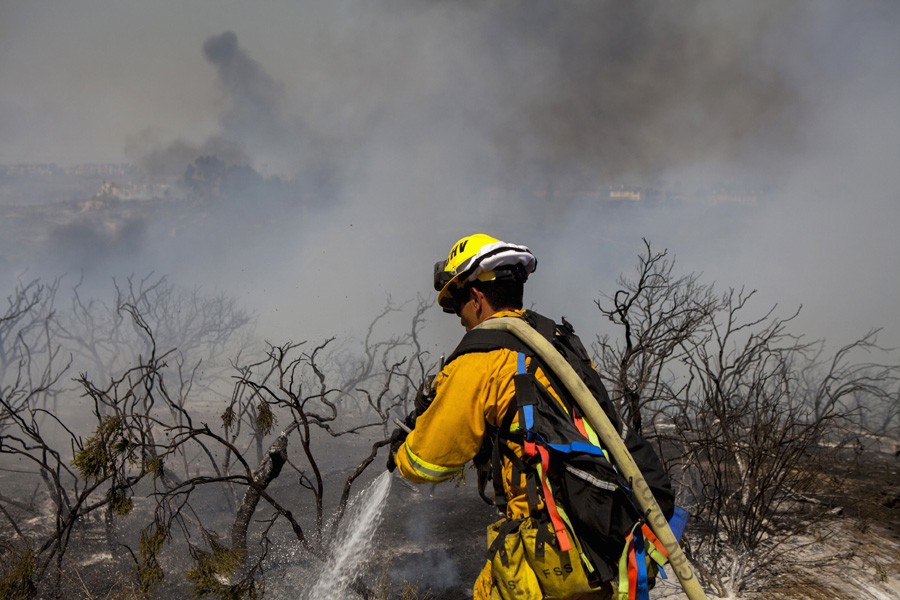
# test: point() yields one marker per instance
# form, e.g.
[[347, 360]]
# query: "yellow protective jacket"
[[471, 392]]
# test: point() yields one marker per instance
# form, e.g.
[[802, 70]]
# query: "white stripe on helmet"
[[506, 255]]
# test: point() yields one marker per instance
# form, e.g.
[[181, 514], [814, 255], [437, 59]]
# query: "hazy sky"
[[424, 112]]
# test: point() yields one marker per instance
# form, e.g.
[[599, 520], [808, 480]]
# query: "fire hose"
[[613, 443]]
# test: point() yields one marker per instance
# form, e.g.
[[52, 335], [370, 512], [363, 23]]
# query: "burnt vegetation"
[[761, 430], [153, 429], [123, 424]]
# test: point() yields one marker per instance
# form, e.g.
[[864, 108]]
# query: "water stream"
[[352, 544]]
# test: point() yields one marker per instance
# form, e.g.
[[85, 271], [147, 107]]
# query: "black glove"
[[424, 395], [410, 420], [397, 439]]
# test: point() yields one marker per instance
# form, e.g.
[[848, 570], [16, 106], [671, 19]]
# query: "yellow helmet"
[[483, 258]]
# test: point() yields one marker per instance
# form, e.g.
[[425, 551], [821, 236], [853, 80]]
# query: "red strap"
[[564, 544], [530, 448]]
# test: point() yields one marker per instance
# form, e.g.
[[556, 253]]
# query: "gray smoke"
[[416, 123], [550, 94], [255, 127], [252, 120], [89, 248], [169, 159], [546, 94], [600, 89], [431, 568]]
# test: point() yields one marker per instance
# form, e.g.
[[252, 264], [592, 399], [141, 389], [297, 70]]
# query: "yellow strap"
[[592, 435], [654, 552], [651, 551], [623, 587], [584, 559]]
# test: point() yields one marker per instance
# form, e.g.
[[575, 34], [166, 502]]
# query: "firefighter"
[[482, 278]]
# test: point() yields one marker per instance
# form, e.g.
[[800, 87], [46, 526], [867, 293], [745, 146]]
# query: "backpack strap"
[[642, 546], [500, 448], [499, 544], [485, 340], [481, 340], [527, 397], [545, 326], [504, 434]]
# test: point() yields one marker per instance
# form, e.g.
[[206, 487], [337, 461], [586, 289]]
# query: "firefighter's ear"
[[478, 296]]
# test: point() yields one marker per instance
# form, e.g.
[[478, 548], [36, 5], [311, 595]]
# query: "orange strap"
[[564, 544], [632, 569], [579, 423], [651, 537], [531, 449]]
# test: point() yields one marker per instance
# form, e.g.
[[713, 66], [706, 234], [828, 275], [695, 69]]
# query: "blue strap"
[[576, 447], [678, 521], [642, 591], [527, 410], [528, 413]]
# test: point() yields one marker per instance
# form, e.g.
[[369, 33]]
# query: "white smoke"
[[407, 125]]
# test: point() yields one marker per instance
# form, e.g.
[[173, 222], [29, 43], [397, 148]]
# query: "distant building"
[[132, 191], [31, 170], [621, 192], [119, 170], [102, 170]]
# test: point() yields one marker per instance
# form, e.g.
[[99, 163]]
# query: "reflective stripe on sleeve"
[[427, 470]]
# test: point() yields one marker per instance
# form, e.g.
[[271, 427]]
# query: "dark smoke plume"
[[255, 126], [255, 112]]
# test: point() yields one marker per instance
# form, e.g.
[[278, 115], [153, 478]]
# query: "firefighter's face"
[[468, 313]]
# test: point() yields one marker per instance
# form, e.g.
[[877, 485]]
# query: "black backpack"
[[599, 504]]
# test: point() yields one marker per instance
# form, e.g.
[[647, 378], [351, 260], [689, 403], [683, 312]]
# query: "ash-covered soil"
[[433, 539]]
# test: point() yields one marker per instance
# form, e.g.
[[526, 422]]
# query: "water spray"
[[352, 544]]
